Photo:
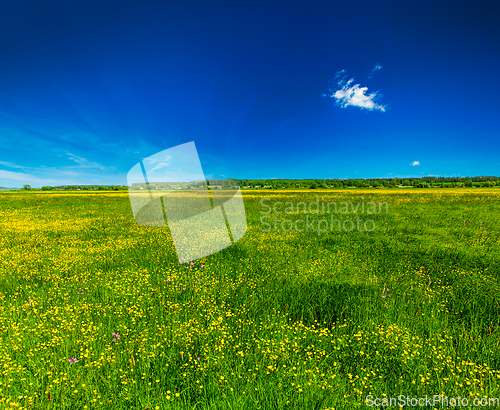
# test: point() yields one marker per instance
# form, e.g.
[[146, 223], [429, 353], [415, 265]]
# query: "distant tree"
[[362, 183], [27, 187], [468, 183], [46, 188]]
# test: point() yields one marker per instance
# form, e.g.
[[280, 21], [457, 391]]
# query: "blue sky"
[[264, 89]]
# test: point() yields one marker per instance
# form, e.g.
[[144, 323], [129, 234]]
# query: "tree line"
[[424, 182]]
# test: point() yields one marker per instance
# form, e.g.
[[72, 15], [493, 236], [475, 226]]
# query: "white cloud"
[[415, 163], [354, 95], [376, 68]]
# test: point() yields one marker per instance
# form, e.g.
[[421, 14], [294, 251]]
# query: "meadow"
[[97, 313]]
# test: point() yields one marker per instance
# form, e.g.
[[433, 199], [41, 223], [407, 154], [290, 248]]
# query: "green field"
[[280, 320]]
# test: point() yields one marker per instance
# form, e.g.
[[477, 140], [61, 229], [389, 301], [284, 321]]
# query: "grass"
[[96, 312]]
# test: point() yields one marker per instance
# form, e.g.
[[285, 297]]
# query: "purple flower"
[[383, 296], [168, 280], [72, 360], [198, 358], [202, 266]]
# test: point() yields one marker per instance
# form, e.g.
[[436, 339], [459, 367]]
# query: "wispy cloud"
[[15, 176], [346, 94], [66, 175], [8, 178], [10, 164], [339, 73], [376, 68], [160, 166], [415, 163], [84, 163], [161, 159]]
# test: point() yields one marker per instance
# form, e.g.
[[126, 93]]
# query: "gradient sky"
[[265, 89]]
